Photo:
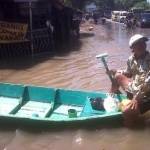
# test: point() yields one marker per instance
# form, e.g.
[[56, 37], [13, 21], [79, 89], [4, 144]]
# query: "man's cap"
[[135, 38]]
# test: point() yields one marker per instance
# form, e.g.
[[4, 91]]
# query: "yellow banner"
[[12, 31]]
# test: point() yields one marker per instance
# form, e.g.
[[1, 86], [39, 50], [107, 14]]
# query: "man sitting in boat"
[[135, 80]]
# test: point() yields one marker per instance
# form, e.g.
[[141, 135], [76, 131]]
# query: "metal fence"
[[42, 43]]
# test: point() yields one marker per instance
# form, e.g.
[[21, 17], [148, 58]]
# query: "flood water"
[[77, 69]]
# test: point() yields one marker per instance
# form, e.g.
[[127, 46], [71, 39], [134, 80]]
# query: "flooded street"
[[77, 69]]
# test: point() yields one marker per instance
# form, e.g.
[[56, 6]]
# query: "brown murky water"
[[78, 69]]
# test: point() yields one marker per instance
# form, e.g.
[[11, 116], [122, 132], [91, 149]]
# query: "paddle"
[[102, 58]]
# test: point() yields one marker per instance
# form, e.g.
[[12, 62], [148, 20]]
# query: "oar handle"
[[107, 69]]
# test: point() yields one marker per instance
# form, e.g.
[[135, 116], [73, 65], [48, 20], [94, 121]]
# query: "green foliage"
[[68, 2], [110, 4], [142, 5], [127, 4], [76, 3], [102, 4]]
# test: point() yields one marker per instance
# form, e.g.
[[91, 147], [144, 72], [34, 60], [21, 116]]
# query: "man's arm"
[[144, 89], [127, 72]]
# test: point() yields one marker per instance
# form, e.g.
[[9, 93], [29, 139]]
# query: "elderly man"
[[135, 80]]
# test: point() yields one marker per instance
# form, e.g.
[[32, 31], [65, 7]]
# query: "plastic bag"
[[111, 104], [97, 103]]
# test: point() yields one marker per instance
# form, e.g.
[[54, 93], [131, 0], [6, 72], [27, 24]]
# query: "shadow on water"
[[86, 35], [66, 48], [20, 63], [23, 62]]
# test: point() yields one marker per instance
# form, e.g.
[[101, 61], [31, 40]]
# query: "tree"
[[126, 4], [68, 2], [76, 3], [142, 5], [101, 4]]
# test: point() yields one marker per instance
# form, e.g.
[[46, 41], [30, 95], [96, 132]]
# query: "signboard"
[[12, 31]]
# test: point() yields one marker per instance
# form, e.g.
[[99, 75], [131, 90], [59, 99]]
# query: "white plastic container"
[[111, 104]]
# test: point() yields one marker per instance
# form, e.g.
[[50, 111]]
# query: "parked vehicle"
[[114, 15], [144, 20], [122, 16], [137, 12], [119, 16]]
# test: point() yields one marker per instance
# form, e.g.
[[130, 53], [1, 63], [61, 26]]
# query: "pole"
[[31, 30], [107, 69], [102, 58]]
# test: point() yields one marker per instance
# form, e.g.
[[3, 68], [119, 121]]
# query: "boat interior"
[[46, 103]]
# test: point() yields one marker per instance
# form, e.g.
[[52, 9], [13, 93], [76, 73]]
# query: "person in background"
[[77, 17], [95, 17], [135, 80]]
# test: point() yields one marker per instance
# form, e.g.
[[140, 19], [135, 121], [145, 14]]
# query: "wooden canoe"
[[50, 105]]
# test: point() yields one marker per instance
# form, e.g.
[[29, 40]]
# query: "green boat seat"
[[8, 105], [38, 102], [10, 97], [34, 109]]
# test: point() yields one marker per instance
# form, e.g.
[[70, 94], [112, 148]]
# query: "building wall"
[[91, 7]]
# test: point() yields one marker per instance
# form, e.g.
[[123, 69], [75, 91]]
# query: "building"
[[37, 38], [91, 7]]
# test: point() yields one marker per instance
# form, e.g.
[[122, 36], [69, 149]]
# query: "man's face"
[[139, 48]]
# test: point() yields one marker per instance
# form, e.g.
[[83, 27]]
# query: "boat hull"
[[46, 106]]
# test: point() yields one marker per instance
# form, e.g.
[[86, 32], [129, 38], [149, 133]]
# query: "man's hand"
[[115, 86], [112, 72], [131, 113], [133, 105]]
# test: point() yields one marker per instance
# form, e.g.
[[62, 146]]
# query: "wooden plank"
[[34, 109]]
